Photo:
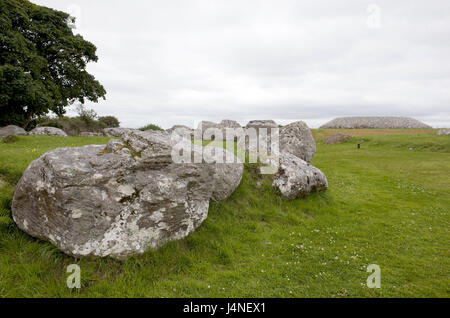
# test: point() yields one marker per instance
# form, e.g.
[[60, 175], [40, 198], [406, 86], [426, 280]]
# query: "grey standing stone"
[[228, 123], [115, 132], [444, 132], [263, 142]]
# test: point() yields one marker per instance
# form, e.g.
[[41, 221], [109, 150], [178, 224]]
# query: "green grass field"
[[386, 205]]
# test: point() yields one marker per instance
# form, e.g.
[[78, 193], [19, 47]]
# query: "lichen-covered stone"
[[296, 178], [116, 200], [49, 131], [12, 130]]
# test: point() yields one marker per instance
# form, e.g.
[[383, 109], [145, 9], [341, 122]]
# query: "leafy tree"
[[109, 121], [87, 115], [42, 63]]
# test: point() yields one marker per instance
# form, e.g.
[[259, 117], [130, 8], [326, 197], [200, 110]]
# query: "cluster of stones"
[[374, 123], [120, 199], [53, 131], [18, 131]]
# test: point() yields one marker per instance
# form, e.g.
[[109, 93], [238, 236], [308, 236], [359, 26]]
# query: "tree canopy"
[[42, 63]]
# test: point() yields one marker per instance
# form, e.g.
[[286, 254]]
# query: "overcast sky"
[[181, 61]]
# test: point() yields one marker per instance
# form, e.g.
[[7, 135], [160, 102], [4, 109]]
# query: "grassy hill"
[[386, 205]]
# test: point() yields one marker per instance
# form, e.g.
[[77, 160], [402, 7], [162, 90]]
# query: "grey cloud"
[[178, 62]]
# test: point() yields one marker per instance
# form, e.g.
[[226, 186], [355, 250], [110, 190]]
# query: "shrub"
[[151, 127], [109, 121]]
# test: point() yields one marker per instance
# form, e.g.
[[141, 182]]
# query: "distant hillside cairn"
[[374, 122]]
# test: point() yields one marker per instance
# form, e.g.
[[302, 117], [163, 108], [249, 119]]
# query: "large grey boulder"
[[117, 200], [297, 139], [443, 132], [296, 178], [336, 139], [12, 130], [374, 122], [49, 131]]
